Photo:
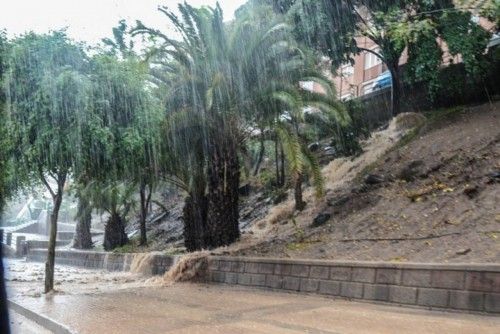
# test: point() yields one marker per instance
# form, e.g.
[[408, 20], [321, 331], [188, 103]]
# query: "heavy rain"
[[250, 166]]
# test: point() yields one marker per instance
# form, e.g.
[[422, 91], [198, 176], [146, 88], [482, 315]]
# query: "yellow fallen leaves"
[[451, 221], [492, 235], [419, 195]]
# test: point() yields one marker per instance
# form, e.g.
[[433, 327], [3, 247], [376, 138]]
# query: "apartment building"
[[359, 79]]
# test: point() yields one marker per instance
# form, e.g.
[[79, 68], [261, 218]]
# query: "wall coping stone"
[[489, 267], [458, 287]]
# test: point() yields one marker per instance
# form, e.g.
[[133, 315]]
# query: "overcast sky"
[[90, 20]]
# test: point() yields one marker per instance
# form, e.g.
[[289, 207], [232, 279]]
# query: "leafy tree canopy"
[[5, 143], [335, 28], [47, 92]]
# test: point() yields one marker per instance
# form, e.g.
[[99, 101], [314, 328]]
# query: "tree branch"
[[44, 181], [400, 239], [163, 207], [378, 55], [369, 32], [148, 199]]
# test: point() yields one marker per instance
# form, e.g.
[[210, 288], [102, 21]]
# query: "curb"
[[44, 321]]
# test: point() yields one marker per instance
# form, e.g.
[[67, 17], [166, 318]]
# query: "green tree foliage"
[[115, 199], [122, 141], [144, 170], [210, 82], [334, 28], [119, 45], [5, 143], [290, 103], [218, 81], [489, 9], [47, 93]]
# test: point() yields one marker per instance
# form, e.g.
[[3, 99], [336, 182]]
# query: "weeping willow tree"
[[121, 137], [144, 169], [47, 95]]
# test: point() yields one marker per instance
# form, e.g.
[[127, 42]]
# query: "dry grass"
[[341, 172], [338, 174], [281, 212]]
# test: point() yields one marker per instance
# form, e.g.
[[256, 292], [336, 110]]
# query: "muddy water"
[[25, 279], [94, 302], [191, 309], [141, 263]]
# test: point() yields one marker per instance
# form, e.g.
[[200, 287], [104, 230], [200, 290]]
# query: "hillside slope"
[[432, 195]]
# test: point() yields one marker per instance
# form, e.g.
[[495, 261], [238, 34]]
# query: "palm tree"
[[214, 77], [290, 103], [202, 86], [115, 199]]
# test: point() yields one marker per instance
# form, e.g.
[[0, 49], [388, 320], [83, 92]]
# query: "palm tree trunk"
[[114, 232], [145, 199], [261, 154], [282, 180], [299, 202], [276, 157], [223, 184], [195, 222], [83, 237], [51, 252]]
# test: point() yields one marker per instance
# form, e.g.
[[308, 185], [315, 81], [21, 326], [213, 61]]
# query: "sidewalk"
[[22, 325]]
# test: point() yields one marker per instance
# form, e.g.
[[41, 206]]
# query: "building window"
[[371, 60], [346, 97], [346, 70], [367, 88]]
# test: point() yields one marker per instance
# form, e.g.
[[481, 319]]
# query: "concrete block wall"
[[473, 288], [44, 244], [101, 260]]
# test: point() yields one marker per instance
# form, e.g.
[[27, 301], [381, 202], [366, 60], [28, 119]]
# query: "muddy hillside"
[[423, 190]]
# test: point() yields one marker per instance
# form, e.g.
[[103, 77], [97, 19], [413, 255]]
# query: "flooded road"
[[100, 302], [25, 279]]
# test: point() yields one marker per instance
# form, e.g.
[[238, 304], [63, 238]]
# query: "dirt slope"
[[436, 198]]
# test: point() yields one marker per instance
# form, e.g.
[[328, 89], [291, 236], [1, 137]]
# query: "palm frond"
[[315, 170], [292, 149]]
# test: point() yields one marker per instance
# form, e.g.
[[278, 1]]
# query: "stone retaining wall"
[[44, 244], [445, 286], [101, 260]]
